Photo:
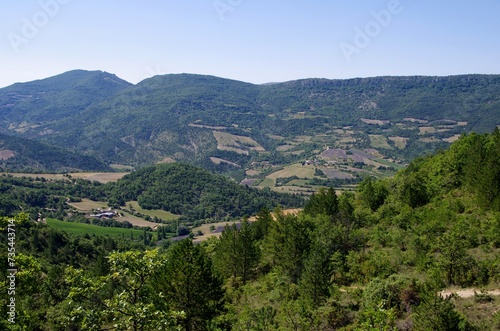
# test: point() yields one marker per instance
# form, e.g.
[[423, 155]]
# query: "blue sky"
[[255, 41]]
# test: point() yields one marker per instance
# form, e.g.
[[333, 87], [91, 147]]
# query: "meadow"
[[82, 229]]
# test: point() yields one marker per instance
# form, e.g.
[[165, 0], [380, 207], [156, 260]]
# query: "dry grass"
[[284, 148], [452, 138], [375, 122], [205, 228], [303, 139], [276, 137], [44, 176], [121, 167], [207, 126], [294, 170], [164, 215], [252, 172], [267, 182], [429, 140], [480, 313], [400, 142], [87, 205], [167, 160], [379, 141], [101, 177], [238, 144], [426, 130], [217, 160], [137, 221], [6, 154], [415, 120]]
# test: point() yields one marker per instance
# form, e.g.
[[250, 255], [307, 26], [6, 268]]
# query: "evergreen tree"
[[287, 244], [323, 202], [236, 254], [189, 284]]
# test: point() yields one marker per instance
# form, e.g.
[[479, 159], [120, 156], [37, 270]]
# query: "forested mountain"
[[193, 117], [20, 154], [373, 259], [28, 106]]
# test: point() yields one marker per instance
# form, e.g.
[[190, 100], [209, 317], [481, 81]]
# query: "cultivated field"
[[87, 205], [294, 170], [81, 228], [6, 154], [379, 141], [219, 227], [375, 122], [164, 215], [238, 144], [102, 177], [400, 142], [217, 160], [136, 221]]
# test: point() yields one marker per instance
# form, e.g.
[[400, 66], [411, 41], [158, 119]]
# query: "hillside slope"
[[182, 116], [194, 192], [19, 154]]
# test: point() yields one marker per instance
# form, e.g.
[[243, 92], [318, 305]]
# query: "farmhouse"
[[107, 214]]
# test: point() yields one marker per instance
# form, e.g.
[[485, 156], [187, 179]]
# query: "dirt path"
[[467, 292]]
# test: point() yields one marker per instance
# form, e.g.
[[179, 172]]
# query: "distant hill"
[[199, 119], [195, 193], [19, 154], [27, 106]]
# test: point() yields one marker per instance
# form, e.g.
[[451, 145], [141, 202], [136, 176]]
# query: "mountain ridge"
[[178, 115]]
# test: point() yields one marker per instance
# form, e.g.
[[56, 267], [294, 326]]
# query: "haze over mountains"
[[200, 119]]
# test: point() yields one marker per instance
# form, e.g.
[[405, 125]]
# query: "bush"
[[182, 231]]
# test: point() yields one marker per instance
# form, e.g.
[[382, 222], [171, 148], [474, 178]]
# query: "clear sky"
[[256, 41]]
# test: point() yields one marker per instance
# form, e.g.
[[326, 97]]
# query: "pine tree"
[[189, 284]]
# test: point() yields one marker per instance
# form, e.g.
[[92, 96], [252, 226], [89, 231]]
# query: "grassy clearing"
[[390, 164], [426, 130], [294, 170], [164, 215], [81, 229], [267, 182], [205, 228], [375, 122], [44, 176], [284, 148], [217, 160], [303, 139], [102, 177], [379, 141], [136, 221], [298, 182], [480, 313], [238, 144], [452, 138], [121, 167], [88, 205], [399, 142], [296, 189], [166, 160]]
